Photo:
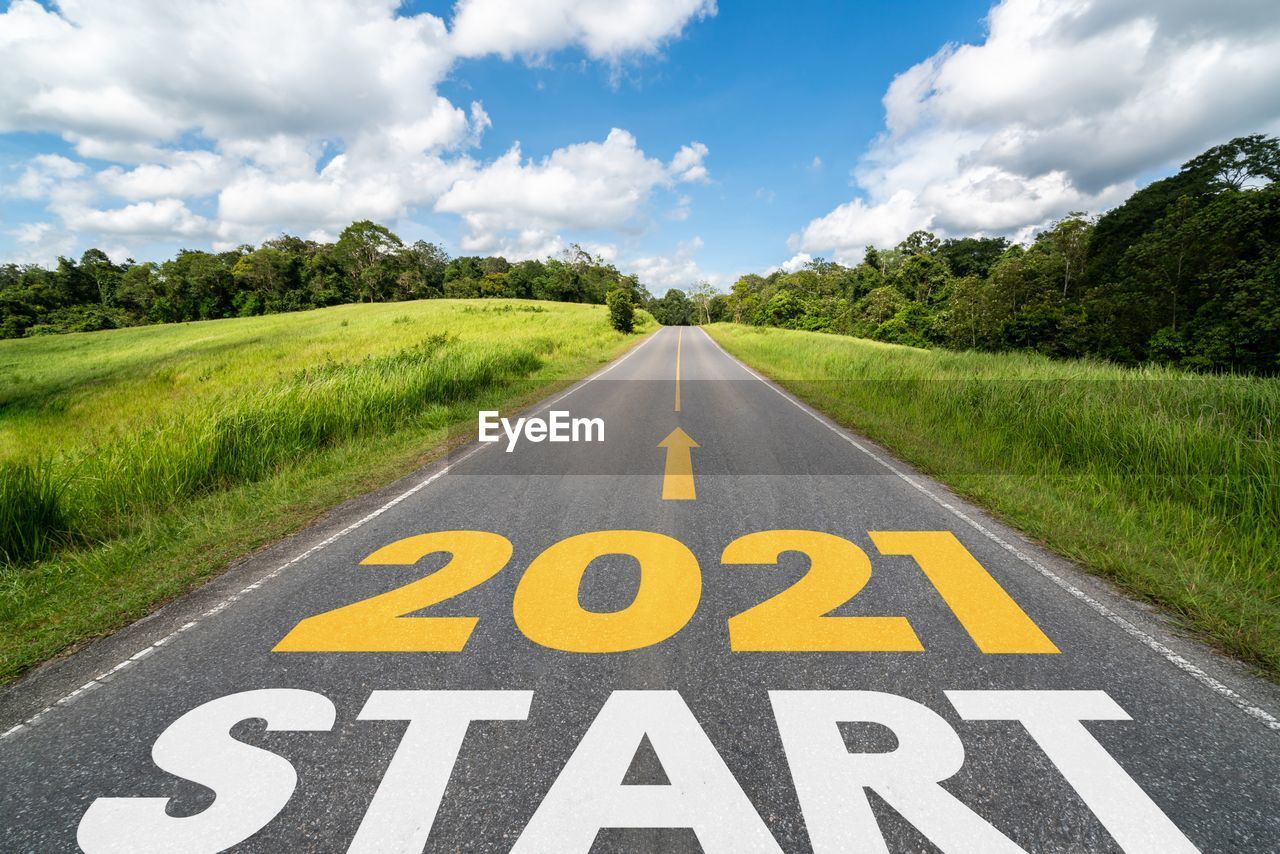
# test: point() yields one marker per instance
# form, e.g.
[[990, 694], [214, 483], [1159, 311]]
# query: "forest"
[[368, 263], [1186, 273]]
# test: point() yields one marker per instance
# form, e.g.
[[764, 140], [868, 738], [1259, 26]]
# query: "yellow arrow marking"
[[677, 480], [679, 339]]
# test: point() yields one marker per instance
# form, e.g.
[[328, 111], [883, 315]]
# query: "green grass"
[[135, 463], [1167, 483]]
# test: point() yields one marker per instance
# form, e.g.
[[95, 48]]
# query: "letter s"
[[251, 785]]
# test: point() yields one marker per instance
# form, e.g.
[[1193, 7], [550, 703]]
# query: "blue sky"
[[766, 90], [749, 134]]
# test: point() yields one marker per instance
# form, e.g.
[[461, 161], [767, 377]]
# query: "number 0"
[[549, 613]]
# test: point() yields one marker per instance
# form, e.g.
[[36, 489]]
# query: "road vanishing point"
[[730, 626]]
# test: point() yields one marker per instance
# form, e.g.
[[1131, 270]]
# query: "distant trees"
[[368, 262], [701, 294], [674, 309], [1186, 272]]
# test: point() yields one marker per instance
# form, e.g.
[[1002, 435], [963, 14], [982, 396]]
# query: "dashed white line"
[[1268, 720], [105, 676]]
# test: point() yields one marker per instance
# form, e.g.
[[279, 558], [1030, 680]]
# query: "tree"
[[198, 285], [267, 280], [674, 309], [362, 250], [622, 311], [702, 293], [137, 291], [972, 317], [1069, 238], [1243, 161], [782, 309], [973, 256], [103, 272], [919, 243], [719, 309], [1161, 260], [922, 276]]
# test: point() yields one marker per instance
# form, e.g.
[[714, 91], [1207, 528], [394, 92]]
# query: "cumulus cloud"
[[43, 174], [161, 219], [188, 173], [605, 29], [145, 70], [40, 243], [796, 262], [518, 206], [659, 273], [1064, 106], [274, 116], [688, 164]]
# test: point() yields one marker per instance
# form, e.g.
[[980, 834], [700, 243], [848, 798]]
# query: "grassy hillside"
[[135, 462], [1167, 483]]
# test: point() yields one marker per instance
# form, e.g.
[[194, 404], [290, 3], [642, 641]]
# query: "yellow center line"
[[679, 339]]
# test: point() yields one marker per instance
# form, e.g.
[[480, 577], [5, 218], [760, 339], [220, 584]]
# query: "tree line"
[[367, 263], [1186, 272]]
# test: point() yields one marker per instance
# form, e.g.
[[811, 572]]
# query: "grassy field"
[[1167, 483], [134, 463]]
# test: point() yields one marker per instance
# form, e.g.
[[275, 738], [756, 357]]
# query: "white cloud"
[[281, 116], [605, 29], [43, 174], [659, 273], [147, 70], [688, 165], [796, 262], [160, 219], [682, 210], [41, 243], [519, 205], [1064, 106], [188, 173]]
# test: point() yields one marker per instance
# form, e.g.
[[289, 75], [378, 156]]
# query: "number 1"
[[988, 614]]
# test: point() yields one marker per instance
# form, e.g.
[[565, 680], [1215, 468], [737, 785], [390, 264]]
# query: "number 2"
[[380, 624], [796, 620]]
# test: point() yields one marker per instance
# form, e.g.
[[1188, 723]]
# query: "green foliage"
[[674, 309], [1185, 273], [622, 311], [368, 263]]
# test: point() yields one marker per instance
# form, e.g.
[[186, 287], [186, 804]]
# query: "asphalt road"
[[985, 696]]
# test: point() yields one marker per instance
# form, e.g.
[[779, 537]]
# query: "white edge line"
[[103, 677], [1129, 628]]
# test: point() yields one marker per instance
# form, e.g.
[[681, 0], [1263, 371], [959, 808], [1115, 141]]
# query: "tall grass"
[[32, 518], [1167, 482], [167, 451], [94, 496]]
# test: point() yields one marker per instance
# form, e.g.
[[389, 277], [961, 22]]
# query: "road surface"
[[594, 668]]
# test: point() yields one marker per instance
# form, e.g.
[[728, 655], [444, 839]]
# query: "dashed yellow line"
[[679, 340]]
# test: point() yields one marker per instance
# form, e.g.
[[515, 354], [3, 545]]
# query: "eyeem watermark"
[[559, 426]]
